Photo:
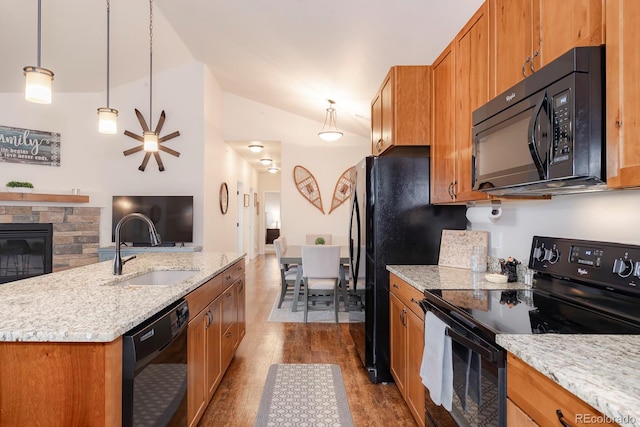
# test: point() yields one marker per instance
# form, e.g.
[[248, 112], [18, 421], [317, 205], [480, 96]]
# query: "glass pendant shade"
[[330, 135], [150, 142], [107, 120], [38, 85]]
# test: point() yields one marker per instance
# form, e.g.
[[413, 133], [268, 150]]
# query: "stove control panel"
[[612, 265]]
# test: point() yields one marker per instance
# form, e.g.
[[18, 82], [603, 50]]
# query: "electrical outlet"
[[496, 241]]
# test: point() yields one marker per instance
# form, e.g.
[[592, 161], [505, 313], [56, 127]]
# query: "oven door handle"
[[486, 351]]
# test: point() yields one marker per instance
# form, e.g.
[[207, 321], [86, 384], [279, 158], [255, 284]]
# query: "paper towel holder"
[[496, 209]]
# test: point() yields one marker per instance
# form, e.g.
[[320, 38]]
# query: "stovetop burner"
[[581, 287]]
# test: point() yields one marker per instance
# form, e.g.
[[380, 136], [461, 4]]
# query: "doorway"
[[271, 219]]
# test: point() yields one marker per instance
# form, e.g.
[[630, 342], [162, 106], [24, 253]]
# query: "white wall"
[[608, 216], [249, 120]]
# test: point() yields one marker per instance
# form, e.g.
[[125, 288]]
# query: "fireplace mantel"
[[41, 197]]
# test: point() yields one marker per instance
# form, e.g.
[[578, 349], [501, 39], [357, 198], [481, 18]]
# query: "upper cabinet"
[[460, 78], [400, 111], [527, 34], [623, 93]]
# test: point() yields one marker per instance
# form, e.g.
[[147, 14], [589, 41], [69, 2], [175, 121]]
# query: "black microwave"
[[545, 135]]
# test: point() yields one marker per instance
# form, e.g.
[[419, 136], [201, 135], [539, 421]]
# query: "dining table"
[[293, 255]]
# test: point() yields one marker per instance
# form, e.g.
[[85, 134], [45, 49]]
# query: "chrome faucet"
[[153, 234]]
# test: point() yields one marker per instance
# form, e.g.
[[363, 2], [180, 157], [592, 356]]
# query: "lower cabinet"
[[213, 335], [534, 399], [407, 344]]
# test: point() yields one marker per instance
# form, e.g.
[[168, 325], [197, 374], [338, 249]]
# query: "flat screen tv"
[[172, 216]]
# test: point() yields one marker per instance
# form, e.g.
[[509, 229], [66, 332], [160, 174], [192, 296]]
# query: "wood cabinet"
[[460, 78], [407, 343], [623, 93], [400, 110], [540, 400], [215, 309], [527, 34]]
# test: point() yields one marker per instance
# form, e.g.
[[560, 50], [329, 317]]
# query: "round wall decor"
[[224, 198]]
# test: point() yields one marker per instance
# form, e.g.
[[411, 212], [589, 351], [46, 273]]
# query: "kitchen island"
[[602, 370], [60, 335]]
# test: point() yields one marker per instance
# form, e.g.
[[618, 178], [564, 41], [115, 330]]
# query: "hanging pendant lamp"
[[150, 137], [108, 117], [38, 79], [330, 131]]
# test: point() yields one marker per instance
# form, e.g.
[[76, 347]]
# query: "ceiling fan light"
[[38, 85], [107, 120], [256, 148], [266, 162], [272, 169], [150, 142]]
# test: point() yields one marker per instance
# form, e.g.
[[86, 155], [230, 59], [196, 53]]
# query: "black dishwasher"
[[154, 370]]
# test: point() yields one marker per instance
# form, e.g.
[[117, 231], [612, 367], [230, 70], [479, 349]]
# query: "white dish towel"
[[437, 361]]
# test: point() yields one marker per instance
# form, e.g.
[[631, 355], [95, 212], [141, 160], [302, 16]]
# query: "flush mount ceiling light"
[[150, 141], [38, 80], [266, 162], [108, 117], [256, 148], [330, 131], [272, 169]]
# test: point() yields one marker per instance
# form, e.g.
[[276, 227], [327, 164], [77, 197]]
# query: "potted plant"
[[320, 241], [19, 186]]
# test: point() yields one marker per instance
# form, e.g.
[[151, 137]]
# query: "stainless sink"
[[158, 278]]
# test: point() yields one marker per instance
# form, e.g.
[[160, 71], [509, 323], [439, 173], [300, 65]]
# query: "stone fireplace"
[[76, 231]]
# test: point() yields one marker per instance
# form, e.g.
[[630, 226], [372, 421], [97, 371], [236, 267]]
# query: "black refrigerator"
[[391, 222]]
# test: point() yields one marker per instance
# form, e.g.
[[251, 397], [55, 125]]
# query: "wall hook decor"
[[161, 147]]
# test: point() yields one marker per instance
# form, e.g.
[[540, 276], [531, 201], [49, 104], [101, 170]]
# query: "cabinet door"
[[517, 418], [415, 345], [512, 41], [213, 335], [623, 93], [566, 24], [240, 301], [197, 397], [472, 91], [398, 344], [443, 139], [387, 105], [376, 125]]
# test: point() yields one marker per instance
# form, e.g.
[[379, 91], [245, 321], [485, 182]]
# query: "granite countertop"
[[86, 304], [602, 370], [430, 277]]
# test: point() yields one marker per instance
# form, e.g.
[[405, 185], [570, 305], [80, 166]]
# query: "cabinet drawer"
[[409, 295], [232, 273], [201, 297], [540, 398]]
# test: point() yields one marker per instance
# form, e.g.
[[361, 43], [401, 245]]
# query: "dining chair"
[[311, 238], [288, 275], [321, 275]]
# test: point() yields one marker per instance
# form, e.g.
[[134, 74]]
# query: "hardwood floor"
[[237, 399]]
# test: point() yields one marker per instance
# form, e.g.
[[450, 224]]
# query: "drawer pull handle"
[[562, 419], [396, 286]]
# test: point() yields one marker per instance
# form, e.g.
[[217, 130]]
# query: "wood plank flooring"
[[237, 399]]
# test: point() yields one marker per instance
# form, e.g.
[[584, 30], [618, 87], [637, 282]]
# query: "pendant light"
[[330, 131], [38, 80], [255, 148], [150, 137], [108, 117]]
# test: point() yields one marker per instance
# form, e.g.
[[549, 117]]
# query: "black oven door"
[[479, 379]]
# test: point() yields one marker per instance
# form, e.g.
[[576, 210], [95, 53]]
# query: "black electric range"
[[580, 287]]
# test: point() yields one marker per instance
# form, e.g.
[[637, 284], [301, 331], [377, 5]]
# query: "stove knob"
[[636, 270], [538, 253], [553, 256], [623, 267]]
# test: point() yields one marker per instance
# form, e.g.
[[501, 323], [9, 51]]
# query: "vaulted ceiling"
[[289, 54]]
